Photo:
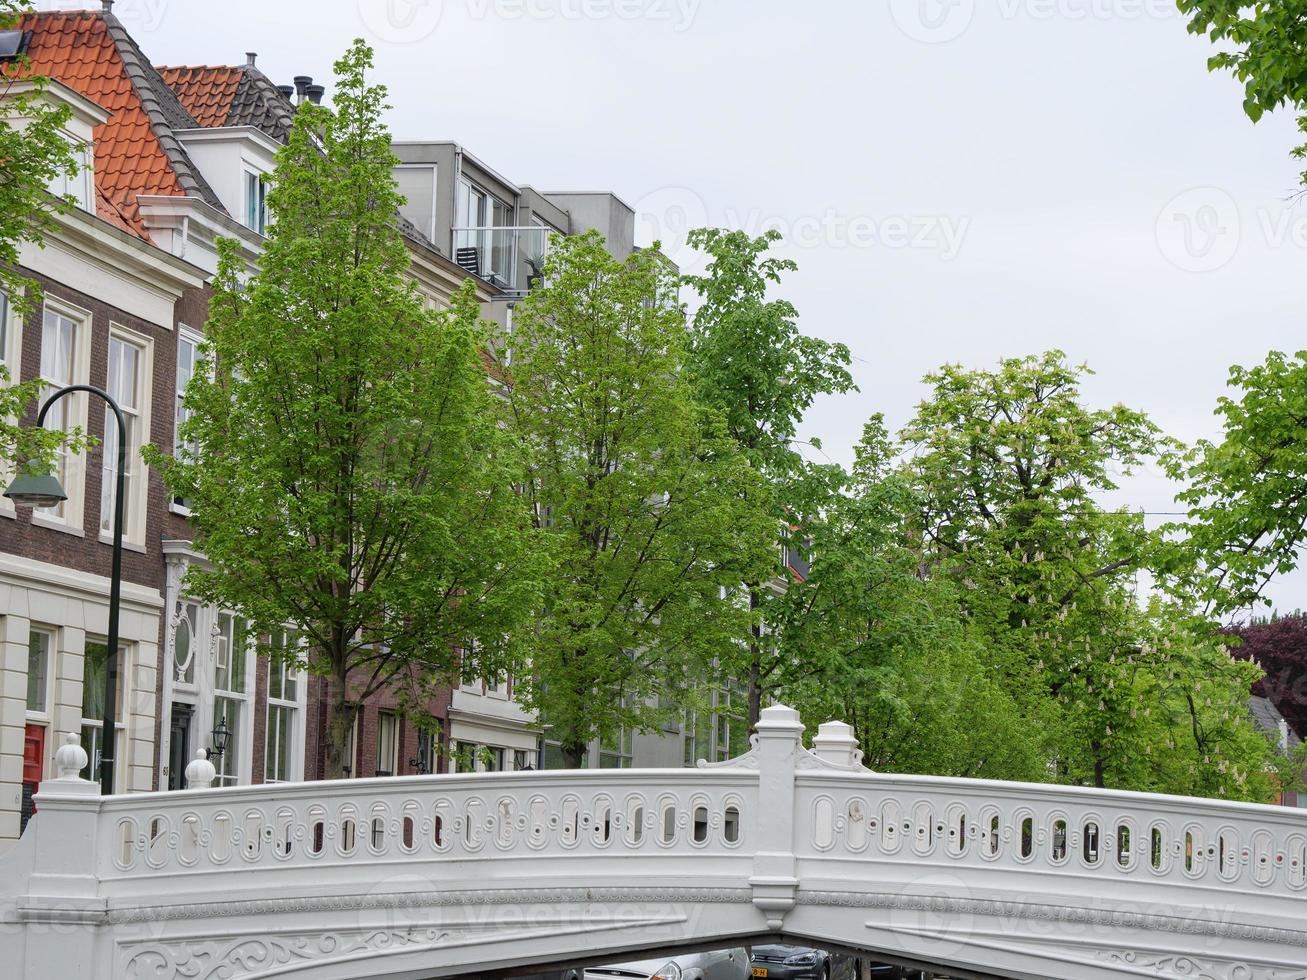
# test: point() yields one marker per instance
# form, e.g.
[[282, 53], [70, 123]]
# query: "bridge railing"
[[405, 822], [1104, 835]]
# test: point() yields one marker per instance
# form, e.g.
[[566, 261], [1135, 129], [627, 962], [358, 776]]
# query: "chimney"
[[288, 91], [250, 57], [107, 6], [315, 93], [302, 83]]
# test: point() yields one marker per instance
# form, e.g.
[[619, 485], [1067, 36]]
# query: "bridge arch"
[[436, 876]]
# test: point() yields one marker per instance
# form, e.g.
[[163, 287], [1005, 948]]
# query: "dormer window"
[[256, 202], [77, 184]]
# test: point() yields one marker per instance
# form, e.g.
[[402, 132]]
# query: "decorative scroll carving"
[[230, 959], [1199, 969]]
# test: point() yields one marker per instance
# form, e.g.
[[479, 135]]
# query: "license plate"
[[758, 971]]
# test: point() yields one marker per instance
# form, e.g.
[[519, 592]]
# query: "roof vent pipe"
[[107, 6], [302, 82], [288, 91], [250, 57], [315, 93]]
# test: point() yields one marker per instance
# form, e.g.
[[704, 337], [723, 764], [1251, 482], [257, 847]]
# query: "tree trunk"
[[339, 728], [573, 755]]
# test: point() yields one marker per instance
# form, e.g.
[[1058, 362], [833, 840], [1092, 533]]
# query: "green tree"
[[642, 504], [33, 152], [750, 363], [348, 477], [1266, 42], [1126, 693], [1247, 492], [876, 643]]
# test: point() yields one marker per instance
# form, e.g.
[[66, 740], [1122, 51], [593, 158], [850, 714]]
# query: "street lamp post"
[[44, 490]]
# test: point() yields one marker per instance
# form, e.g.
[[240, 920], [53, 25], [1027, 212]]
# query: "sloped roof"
[[223, 95], [136, 150], [205, 91], [1267, 717]]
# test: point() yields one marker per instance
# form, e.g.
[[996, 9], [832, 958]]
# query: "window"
[[128, 370], [188, 360], [695, 744], [465, 756], [59, 343], [231, 693], [93, 675], [184, 636], [5, 356], [731, 724], [76, 183], [39, 645], [426, 757], [387, 743], [616, 754], [521, 760], [284, 692], [256, 202], [349, 752]]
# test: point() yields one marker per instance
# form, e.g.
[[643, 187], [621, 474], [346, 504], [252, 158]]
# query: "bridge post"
[[60, 908], [779, 742]]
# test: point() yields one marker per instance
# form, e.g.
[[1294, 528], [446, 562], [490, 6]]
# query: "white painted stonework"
[[439, 875]]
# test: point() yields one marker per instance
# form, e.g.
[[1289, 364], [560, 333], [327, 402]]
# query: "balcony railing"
[[510, 257]]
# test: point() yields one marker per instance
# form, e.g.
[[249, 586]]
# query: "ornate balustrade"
[[430, 876]]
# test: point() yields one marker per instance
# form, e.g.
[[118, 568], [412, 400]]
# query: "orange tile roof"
[[75, 48], [206, 91]]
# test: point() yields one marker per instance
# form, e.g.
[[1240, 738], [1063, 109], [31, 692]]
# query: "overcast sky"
[[959, 180]]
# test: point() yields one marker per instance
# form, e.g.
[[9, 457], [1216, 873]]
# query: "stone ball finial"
[[70, 758], [200, 773]]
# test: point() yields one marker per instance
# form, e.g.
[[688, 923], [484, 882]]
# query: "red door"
[[33, 768]]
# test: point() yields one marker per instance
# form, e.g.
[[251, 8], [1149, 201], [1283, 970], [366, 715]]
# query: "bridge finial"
[[70, 758], [835, 744], [200, 773]]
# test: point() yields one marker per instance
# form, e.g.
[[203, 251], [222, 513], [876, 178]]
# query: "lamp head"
[[220, 735], [39, 488]]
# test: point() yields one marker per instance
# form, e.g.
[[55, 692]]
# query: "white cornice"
[[226, 134]]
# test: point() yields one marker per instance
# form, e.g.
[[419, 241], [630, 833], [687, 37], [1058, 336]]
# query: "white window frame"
[[11, 353], [250, 174], [392, 718], [70, 517], [295, 760], [239, 774], [138, 476], [120, 714], [195, 339], [80, 186], [430, 230], [41, 715]]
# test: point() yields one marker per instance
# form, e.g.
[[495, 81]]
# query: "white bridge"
[[436, 876]]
